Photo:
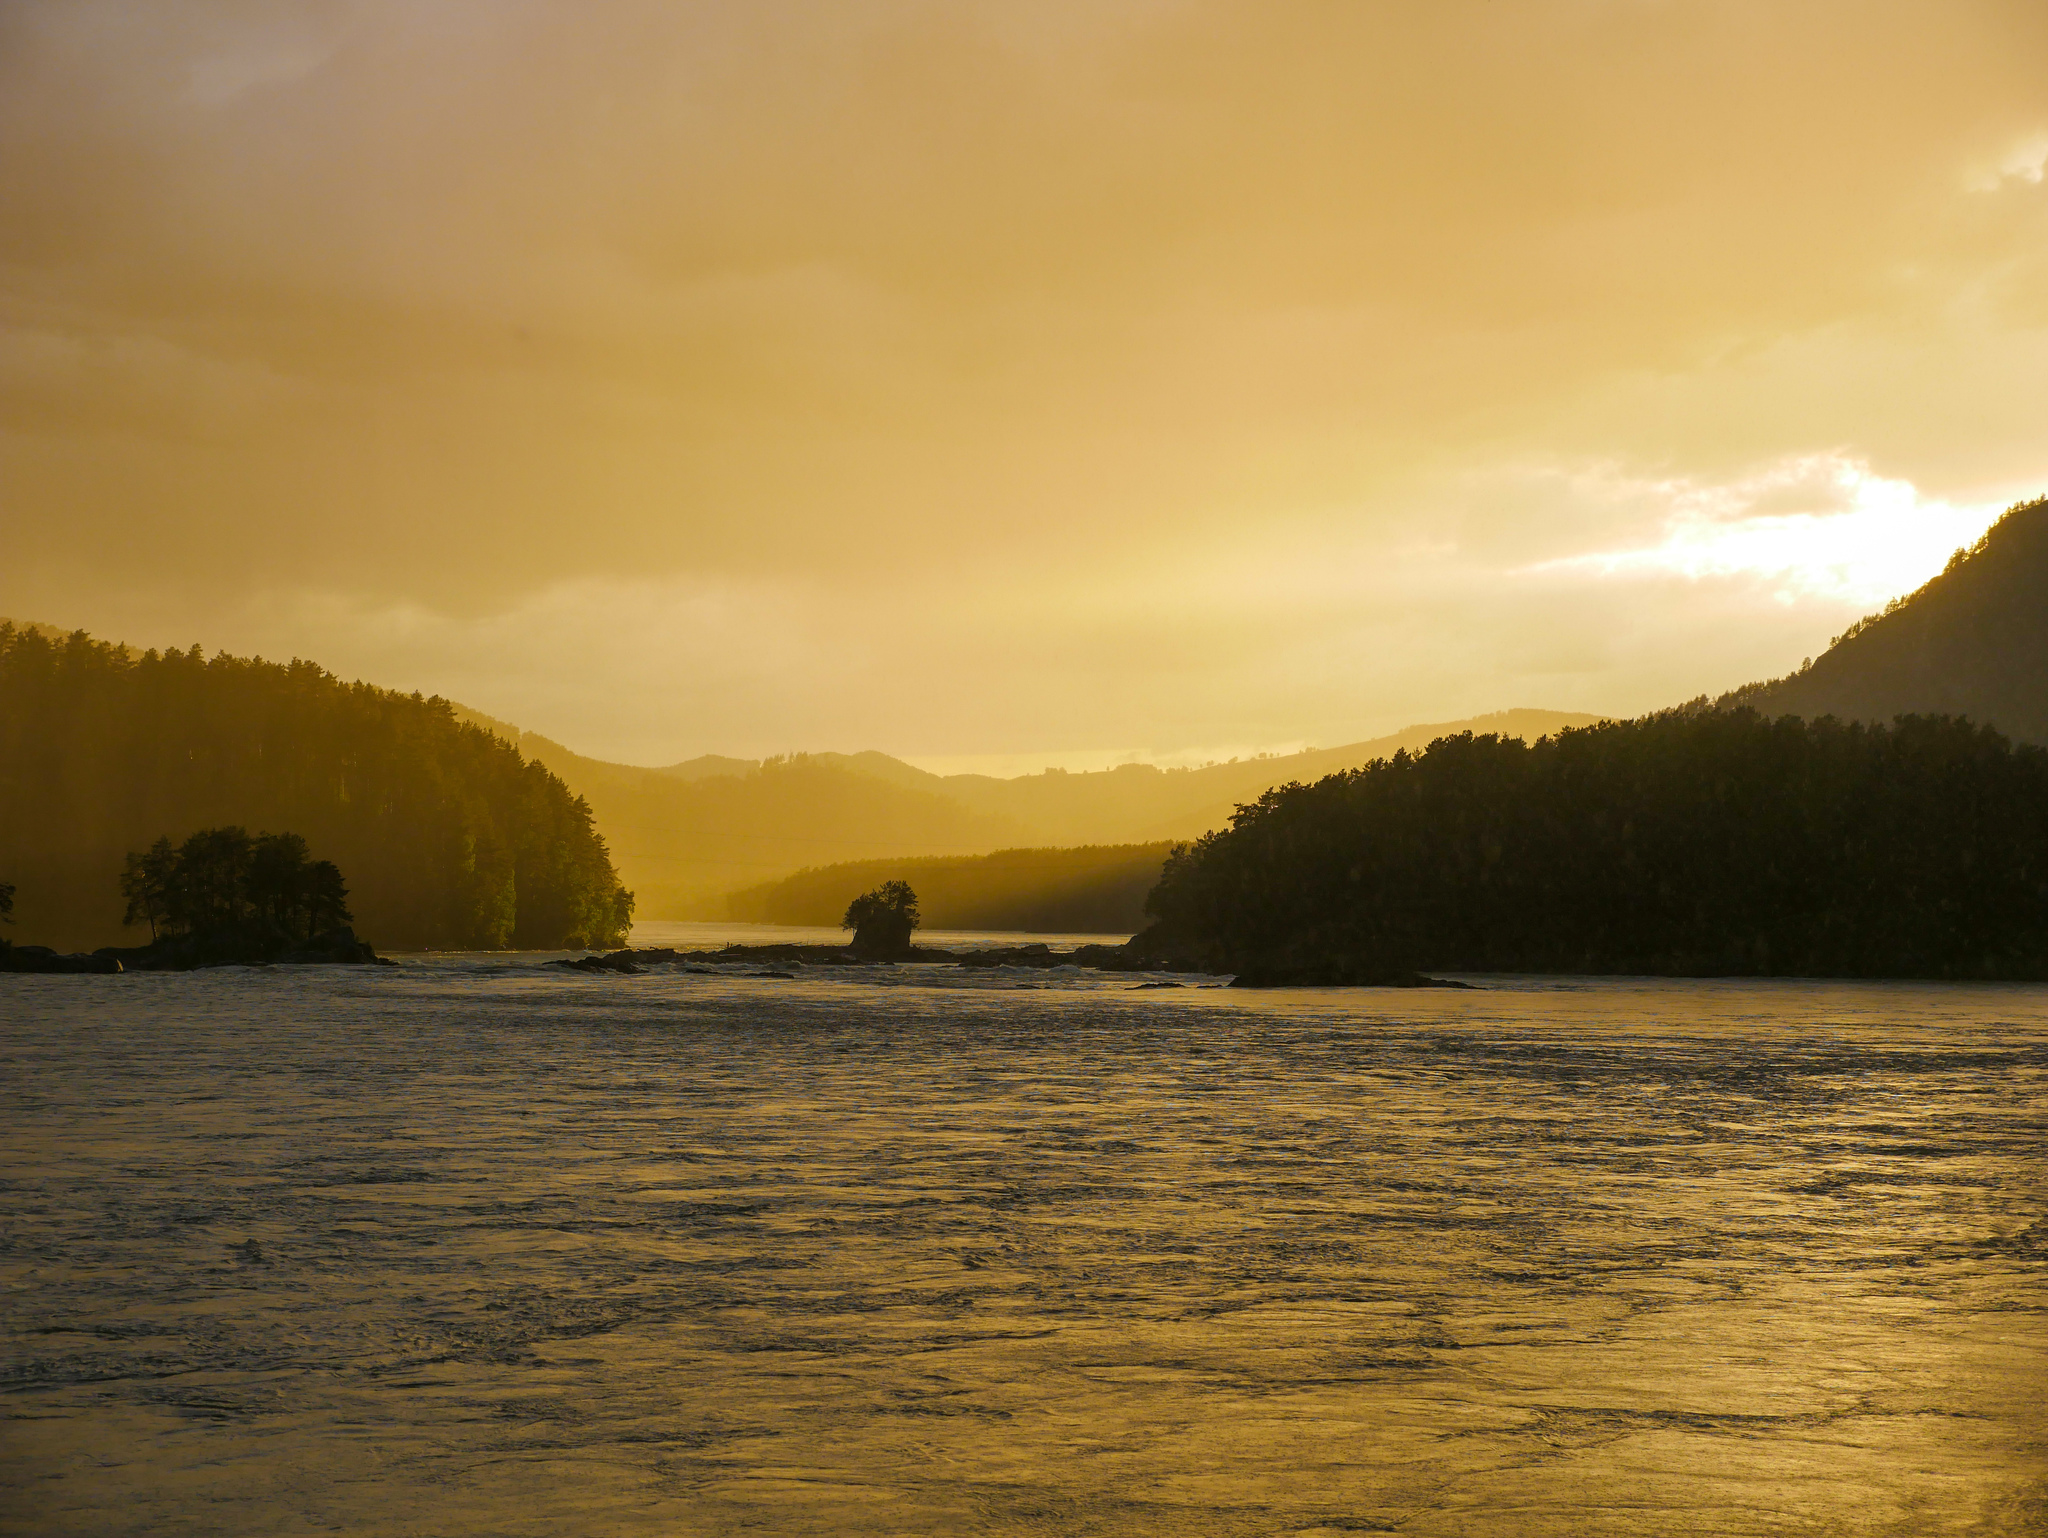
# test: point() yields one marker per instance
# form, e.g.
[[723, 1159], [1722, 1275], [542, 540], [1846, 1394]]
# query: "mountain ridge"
[[687, 835], [1972, 642]]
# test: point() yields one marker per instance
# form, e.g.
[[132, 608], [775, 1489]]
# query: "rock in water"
[[336, 945], [1337, 976], [242, 946], [40, 958], [617, 961]]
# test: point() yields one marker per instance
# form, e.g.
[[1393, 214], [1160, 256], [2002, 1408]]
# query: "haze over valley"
[[715, 838], [863, 768], [687, 835]]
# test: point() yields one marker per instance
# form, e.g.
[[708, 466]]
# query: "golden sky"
[[1020, 378]]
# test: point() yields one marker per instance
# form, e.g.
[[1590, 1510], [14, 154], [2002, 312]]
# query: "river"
[[470, 1247]]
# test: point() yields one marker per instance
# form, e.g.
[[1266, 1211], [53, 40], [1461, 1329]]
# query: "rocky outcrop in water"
[[40, 958], [248, 945], [1337, 975], [618, 961], [1128, 957], [1104, 958]]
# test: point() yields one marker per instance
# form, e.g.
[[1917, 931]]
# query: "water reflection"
[[469, 1248]]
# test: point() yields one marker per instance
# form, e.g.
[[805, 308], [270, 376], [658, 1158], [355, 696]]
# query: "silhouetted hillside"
[[688, 835], [448, 836], [1695, 842], [1973, 642], [1092, 890]]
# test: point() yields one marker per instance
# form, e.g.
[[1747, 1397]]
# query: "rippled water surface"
[[466, 1247]]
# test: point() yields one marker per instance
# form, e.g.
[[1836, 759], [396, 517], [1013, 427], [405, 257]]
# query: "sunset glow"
[[1858, 539], [993, 383], [898, 768]]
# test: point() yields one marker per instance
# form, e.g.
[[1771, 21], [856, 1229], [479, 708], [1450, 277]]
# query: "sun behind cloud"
[[1816, 526], [988, 380]]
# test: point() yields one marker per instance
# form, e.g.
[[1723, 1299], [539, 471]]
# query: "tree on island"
[[146, 883], [224, 879], [882, 920], [6, 910], [450, 836], [286, 886]]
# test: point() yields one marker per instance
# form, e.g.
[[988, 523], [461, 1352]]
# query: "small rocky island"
[[1128, 957], [224, 897], [1107, 958], [883, 921]]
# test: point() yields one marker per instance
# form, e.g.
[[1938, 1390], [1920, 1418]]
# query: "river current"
[[470, 1247]]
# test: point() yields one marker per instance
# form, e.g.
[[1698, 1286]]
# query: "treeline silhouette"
[[223, 878], [1696, 842], [1096, 889], [450, 837]]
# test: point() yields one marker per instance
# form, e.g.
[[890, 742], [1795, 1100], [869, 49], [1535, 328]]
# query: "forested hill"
[[447, 835], [1972, 642], [1696, 842], [688, 835]]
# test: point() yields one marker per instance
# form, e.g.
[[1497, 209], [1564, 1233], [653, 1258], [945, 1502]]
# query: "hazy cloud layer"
[[959, 378]]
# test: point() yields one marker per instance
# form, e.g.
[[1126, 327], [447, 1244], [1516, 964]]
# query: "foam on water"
[[470, 1247]]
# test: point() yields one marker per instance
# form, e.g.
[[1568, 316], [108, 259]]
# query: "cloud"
[[977, 379], [266, 59], [1814, 526], [2024, 162]]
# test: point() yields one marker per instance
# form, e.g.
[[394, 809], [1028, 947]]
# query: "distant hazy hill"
[[37, 627], [687, 835], [1972, 642], [446, 836]]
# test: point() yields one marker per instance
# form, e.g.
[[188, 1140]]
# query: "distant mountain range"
[[686, 835], [1972, 642]]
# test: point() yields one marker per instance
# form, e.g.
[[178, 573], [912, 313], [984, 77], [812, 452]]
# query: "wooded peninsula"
[[451, 839], [1698, 842]]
